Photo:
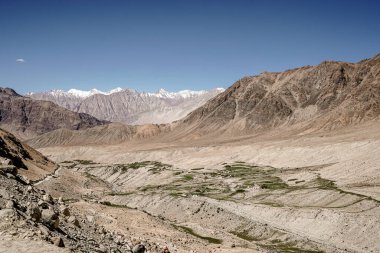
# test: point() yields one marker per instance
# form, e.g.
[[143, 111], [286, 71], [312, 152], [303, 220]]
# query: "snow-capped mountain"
[[85, 94], [130, 106], [75, 92], [180, 94]]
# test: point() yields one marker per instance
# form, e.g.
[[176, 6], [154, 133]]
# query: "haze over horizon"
[[175, 45]]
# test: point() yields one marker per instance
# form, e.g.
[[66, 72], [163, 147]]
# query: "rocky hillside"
[[32, 221], [327, 96], [34, 217], [16, 155], [130, 106], [27, 118]]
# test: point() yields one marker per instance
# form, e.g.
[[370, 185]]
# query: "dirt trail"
[[48, 177]]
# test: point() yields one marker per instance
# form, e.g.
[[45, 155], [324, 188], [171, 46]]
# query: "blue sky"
[[175, 45]]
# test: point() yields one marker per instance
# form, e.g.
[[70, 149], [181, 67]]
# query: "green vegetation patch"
[[191, 232], [245, 235], [153, 166], [93, 178], [204, 190], [242, 170], [275, 183], [150, 187], [119, 193], [107, 203], [237, 192], [325, 184], [188, 177], [85, 162], [290, 247]]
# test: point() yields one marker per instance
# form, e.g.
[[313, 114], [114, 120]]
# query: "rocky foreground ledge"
[[29, 214]]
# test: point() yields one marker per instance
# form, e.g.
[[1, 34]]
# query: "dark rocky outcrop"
[[15, 153], [27, 118]]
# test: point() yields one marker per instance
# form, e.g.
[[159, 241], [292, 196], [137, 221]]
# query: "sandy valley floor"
[[315, 191]]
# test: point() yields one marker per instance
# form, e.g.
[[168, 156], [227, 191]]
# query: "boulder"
[[64, 210], [90, 218], [102, 249], [10, 175], [139, 248], [24, 179], [10, 204], [29, 189], [8, 169], [73, 220], [57, 241], [43, 230], [34, 213], [4, 213], [165, 250], [5, 161], [47, 198], [43, 204], [50, 217]]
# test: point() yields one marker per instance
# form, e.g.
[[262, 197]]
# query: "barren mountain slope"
[[130, 106], [28, 161], [110, 134], [119, 107], [27, 118], [330, 95], [67, 101], [175, 108]]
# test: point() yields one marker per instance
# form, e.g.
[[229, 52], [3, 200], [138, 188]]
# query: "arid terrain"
[[279, 162], [318, 192]]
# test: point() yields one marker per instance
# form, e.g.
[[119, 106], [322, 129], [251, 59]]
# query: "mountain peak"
[[130, 106], [8, 92], [118, 89], [78, 93], [164, 93], [83, 94]]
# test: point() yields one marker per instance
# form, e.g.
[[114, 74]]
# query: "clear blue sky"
[[183, 44]]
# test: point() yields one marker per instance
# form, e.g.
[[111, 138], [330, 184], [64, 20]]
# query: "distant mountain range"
[[27, 118], [311, 98], [328, 96], [130, 106]]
